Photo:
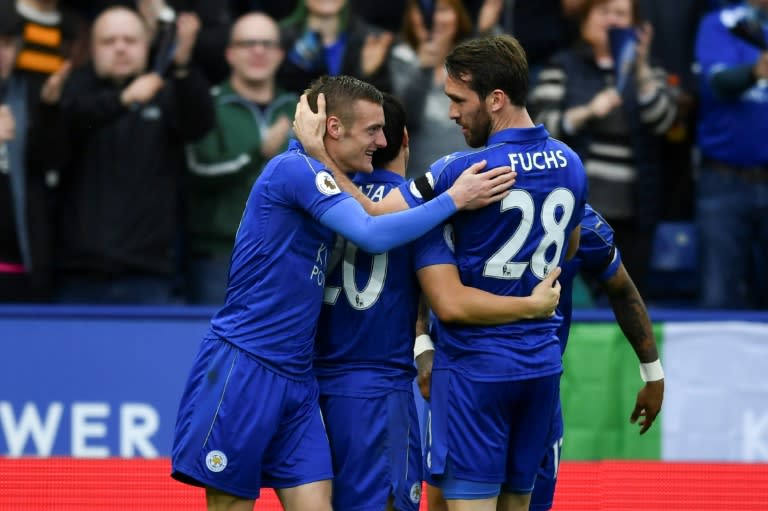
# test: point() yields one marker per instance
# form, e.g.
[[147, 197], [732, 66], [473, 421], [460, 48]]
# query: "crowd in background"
[[132, 131]]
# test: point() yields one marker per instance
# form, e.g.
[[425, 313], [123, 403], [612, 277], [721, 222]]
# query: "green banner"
[[598, 392]]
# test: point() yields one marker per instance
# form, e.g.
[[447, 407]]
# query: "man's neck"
[[512, 117], [258, 92], [398, 165]]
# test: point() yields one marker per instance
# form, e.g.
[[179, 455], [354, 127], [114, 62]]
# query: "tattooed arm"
[[632, 316]]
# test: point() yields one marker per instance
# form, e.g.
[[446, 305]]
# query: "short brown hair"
[[489, 63], [341, 92]]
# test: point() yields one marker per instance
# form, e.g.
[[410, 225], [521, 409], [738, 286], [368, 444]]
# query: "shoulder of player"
[[560, 145], [457, 162], [294, 164], [595, 231]]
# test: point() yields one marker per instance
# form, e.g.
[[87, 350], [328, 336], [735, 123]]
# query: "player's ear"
[[334, 127], [406, 138], [496, 100]]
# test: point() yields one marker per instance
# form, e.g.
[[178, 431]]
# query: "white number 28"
[[501, 265]]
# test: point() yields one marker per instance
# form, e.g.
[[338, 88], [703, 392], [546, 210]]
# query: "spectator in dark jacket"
[[616, 126], [119, 215], [28, 136]]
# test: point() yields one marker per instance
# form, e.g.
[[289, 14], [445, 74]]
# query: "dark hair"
[[394, 128], [489, 63], [341, 92]]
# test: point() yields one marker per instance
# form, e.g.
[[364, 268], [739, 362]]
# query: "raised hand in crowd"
[[601, 104], [187, 27], [647, 83], [375, 51], [488, 17], [275, 137], [54, 85], [150, 10], [7, 124], [604, 102], [142, 89], [434, 47]]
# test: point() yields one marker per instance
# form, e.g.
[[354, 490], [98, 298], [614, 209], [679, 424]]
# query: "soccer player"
[[600, 259], [364, 347], [249, 416], [495, 386]]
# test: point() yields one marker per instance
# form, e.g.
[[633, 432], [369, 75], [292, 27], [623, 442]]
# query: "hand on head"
[[308, 126]]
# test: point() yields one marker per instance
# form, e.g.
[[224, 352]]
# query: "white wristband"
[[652, 371], [423, 343]]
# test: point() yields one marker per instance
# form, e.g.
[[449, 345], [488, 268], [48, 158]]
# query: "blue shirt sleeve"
[[382, 233], [299, 181], [597, 252], [441, 176], [435, 247]]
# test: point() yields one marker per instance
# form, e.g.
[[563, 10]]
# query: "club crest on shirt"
[[416, 493], [326, 184], [216, 461]]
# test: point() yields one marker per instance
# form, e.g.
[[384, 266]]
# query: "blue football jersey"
[[277, 272], [597, 256], [365, 335], [508, 248]]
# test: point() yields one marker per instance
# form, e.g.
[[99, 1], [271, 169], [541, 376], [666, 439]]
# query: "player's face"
[[362, 137], [610, 14], [254, 54], [468, 111]]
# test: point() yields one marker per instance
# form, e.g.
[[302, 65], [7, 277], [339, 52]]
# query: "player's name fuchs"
[[541, 160]]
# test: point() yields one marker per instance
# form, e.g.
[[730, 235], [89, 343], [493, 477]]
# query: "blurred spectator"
[[321, 37], [118, 217], [51, 34], [543, 27], [617, 133], [216, 20], [27, 138], [254, 119], [418, 75], [732, 187], [674, 33]]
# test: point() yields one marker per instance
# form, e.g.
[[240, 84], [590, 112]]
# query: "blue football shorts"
[[544, 490], [487, 432], [375, 449], [241, 426]]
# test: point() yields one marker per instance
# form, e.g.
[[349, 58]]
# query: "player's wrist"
[[652, 371], [423, 343]]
